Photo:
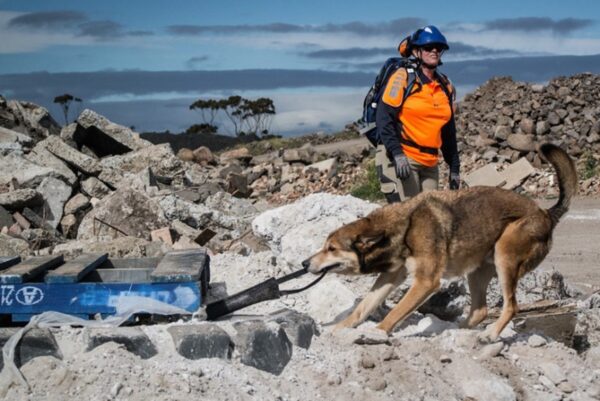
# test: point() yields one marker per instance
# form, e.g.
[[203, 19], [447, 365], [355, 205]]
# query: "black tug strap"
[[299, 273]]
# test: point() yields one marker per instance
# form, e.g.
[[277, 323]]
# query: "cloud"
[[194, 61], [351, 52], [531, 24], [101, 30], [394, 27], [49, 20]]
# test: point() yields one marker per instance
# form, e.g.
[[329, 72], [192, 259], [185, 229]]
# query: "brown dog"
[[478, 232]]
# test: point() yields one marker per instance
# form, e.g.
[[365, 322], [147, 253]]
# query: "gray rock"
[[201, 341], [36, 120], [304, 155], [521, 142], [542, 128], [502, 132], [299, 327], [487, 389], [133, 338], [105, 137], [20, 198], [124, 212], [553, 372], [10, 246], [122, 247], [486, 175], [40, 155], [36, 342], [94, 188], [160, 158], [536, 341], [69, 225], [76, 204], [553, 118], [194, 215], [527, 126], [73, 157], [55, 193], [26, 173], [516, 173], [263, 346], [13, 141], [490, 351]]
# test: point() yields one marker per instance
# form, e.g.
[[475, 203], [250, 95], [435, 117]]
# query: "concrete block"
[[299, 327], [263, 346], [486, 175], [20, 198], [133, 338], [36, 342], [516, 173], [201, 341]]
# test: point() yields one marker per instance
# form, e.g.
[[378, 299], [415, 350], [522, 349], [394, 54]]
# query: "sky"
[[142, 63]]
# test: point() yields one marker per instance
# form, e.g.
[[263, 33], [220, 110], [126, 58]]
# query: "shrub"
[[368, 185]]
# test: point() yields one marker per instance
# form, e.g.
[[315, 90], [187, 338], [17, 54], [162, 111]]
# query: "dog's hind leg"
[[382, 287], [479, 280]]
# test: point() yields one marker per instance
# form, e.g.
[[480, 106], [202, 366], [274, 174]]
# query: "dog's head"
[[348, 250]]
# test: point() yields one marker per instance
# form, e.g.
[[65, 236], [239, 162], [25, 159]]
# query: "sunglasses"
[[430, 48]]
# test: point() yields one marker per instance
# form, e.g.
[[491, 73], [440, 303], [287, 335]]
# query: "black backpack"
[[374, 94]]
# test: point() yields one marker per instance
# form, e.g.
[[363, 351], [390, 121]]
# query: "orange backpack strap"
[[393, 94]]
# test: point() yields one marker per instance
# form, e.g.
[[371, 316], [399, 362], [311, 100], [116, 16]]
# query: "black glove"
[[402, 166], [454, 180]]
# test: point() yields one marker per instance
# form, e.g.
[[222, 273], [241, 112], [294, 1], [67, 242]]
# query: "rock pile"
[[504, 120]]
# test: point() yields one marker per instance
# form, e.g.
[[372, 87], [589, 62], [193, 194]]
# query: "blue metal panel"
[[91, 298]]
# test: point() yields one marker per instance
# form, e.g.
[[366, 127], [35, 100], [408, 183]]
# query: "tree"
[[65, 103], [258, 115], [208, 109], [231, 107]]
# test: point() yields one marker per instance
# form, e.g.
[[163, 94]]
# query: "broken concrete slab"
[[56, 193], [104, 137], [125, 212], [20, 198], [13, 141], [133, 338], [327, 167], [122, 247], [516, 173], [263, 346], [35, 343], [10, 246], [299, 327], [25, 172], [94, 188], [193, 214], [21, 221], [486, 175], [72, 157], [160, 158], [36, 119], [38, 221], [40, 155], [201, 341]]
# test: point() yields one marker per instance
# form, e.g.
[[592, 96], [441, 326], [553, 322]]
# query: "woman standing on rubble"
[[414, 127]]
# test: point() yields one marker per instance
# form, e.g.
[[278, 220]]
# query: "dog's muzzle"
[[307, 266]]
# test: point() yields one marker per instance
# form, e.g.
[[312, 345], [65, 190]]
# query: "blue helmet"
[[428, 35]]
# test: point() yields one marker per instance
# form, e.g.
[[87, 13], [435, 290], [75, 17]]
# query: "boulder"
[[104, 137], [55, 193], [299, 327], [124, 212], [527, 126], [35, 343], [132, 338], [241, 154], [204, 156], [194, 215], [185, 154]]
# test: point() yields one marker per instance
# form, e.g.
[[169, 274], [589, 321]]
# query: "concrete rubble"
[[95, 186]]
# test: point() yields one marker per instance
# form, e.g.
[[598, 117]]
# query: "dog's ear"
[[364, 242]]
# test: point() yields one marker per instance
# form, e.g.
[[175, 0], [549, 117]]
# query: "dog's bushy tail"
[[567, 178]]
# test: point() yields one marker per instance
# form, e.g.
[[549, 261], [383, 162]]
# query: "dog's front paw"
[[487, 337]]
